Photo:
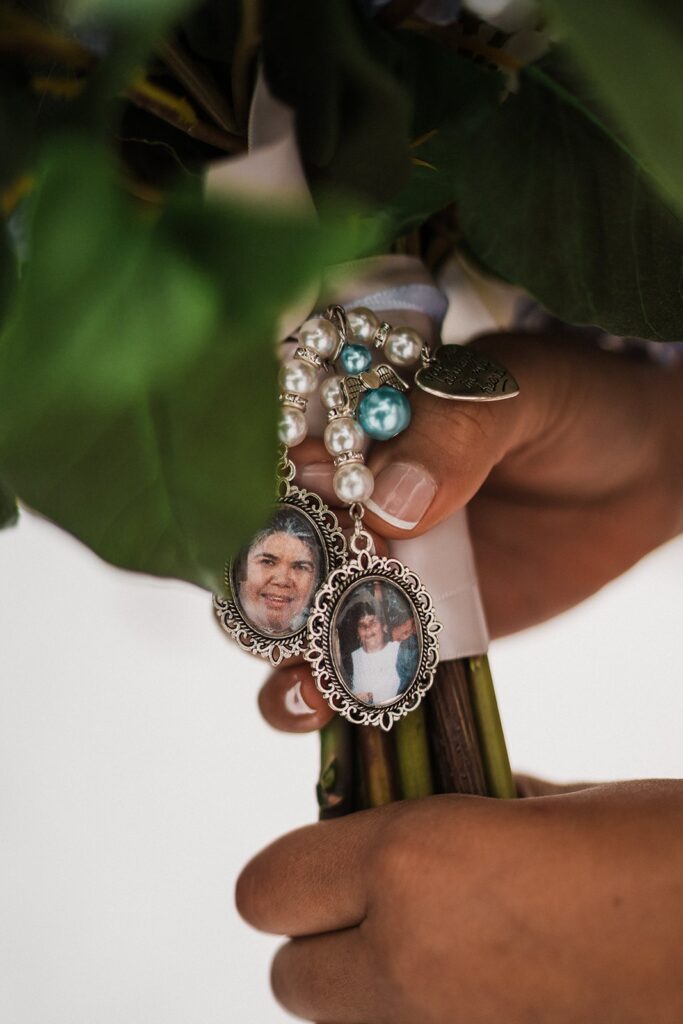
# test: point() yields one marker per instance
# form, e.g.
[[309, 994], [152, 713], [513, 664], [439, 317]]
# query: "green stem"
[[452, 729], [412, 756], [335, 785], [378, 769], [492, 741]]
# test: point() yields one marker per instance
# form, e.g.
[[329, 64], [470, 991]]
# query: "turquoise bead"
[[383, 413], [355, 358]]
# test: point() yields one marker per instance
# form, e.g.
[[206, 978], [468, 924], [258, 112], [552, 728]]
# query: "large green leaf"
[[164, 471], [9, 513], [549, 198], [342, 76], [632, 52], [110, 299], [211, 29], [8, 271], [17, 127], [450, 94]]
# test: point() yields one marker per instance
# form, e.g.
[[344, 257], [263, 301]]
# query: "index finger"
[[312, 880]]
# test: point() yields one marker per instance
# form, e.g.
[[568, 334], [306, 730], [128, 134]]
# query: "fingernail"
[[403, 493], [315, 475], [294, 702]]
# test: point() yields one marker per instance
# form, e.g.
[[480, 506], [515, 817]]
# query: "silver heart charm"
[[459, 372]]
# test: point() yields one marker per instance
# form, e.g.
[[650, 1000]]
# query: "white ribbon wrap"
[[399, 287]]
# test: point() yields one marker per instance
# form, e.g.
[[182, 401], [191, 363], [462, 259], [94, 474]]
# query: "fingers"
[[311, 880], [289, 700], [326, 978], [314, 469], [440, 462], [530, 786]]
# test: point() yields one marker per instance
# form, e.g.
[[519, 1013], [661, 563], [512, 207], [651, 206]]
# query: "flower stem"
[[454, 742], [412, 756], [378, 767], [491, 739], [335, 784]]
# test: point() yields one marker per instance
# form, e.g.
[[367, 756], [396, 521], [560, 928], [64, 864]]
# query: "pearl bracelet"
[[361, 403]]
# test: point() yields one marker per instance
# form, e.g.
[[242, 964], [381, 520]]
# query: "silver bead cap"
[[345, 457], [381, 335], [294, 401], [307, 355]]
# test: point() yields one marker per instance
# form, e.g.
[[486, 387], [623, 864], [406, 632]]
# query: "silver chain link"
[[285, 472], [361, 539]]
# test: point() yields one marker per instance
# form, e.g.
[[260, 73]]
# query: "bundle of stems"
[[452, 743]]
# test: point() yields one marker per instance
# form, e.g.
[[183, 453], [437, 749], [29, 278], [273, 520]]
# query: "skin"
[[370, 633], [567, 486], [279, 580], [461, 909], [565, 906]]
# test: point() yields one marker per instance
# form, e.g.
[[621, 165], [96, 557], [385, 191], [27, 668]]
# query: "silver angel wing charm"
[[369, 380], [387, 375], [352, 388]]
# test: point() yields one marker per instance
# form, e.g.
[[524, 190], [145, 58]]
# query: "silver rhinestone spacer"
[[381, 335], [307, 355], [288, 398], [346, 457], [335, 414]]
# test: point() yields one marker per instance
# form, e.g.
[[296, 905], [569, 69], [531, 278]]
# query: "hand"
[[562, 909], [568, 484]]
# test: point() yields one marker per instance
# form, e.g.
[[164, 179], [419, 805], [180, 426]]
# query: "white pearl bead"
[[331, 393], [363, 323], [344, 435], [298, 377], [403, 346], [321, 335], [353, 482], [292, 427]]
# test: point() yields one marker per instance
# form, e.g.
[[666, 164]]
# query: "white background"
[[136, 776]]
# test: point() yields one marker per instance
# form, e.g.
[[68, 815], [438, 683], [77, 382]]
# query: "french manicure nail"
[[403, 493], [294, 702]]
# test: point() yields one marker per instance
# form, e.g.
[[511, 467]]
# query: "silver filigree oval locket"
[[372, 638], [273, 581]]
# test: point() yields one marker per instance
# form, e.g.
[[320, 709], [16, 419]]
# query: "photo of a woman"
[[276, 577], [377, 643]]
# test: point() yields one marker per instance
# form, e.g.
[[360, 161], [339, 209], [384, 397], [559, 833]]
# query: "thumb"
[[442, 459]]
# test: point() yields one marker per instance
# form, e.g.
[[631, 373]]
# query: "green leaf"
[[129, 29], [549, 198], [110, 298], [8, 272], [211, 29], [632, 53], [341, 76], [450, 94], [17, 119], [166, 463], [147, 15], [9, 511]]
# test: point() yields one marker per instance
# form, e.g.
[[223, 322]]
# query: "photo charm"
[[365, 623], [273, 581], [372, 638]]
